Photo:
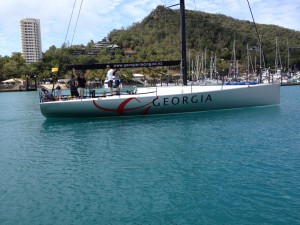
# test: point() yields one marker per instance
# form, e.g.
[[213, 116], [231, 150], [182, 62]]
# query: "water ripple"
[[223, 167]]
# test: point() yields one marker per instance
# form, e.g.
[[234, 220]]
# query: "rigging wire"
[[280, 63], [165, 28], [166, 37], [69, 22], [197, 56], [203, 52], [166, 32], [56, 75], [258, 36], [76, 22]]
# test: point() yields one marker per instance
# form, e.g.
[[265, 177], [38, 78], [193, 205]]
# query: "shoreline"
[[17, 90]]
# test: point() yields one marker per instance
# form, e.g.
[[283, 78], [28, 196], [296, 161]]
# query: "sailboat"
[[165, 99]]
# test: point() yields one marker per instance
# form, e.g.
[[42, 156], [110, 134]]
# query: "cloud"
[[282, 13]]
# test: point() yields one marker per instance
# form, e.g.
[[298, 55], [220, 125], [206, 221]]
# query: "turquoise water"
[[224, 167]]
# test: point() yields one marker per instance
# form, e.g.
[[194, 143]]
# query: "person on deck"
[[72, 85], [110, 73], [58, 93], [117, 80], [81, 84]]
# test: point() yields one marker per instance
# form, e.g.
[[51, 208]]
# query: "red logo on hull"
[[144, 109]]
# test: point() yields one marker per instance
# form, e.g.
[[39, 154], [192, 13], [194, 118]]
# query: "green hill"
[[157, 37]]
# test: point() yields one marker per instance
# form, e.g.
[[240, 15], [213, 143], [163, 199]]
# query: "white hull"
[[164, 100]]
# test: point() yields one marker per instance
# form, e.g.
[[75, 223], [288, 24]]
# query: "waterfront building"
[[31, 40]]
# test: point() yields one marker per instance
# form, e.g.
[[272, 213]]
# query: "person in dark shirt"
[[72, 85], [81, 84]]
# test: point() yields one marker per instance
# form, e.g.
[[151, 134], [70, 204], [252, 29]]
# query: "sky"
[[98, 17]]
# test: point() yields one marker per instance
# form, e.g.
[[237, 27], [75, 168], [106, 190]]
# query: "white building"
[[31, 40]]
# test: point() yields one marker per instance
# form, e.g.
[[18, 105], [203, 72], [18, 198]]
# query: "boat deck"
[[149, 91]]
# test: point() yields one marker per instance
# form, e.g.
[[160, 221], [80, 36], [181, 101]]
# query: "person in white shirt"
[[110, 78], [58, 93]]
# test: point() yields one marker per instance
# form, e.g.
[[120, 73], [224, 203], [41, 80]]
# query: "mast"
[[189, 61], [288, 55], [248, 64], [215, 67], [260, 58], [183, 43], [234, 60], [211, 67], [197, 67], [276, 55], [202, 66], [205, 71]]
